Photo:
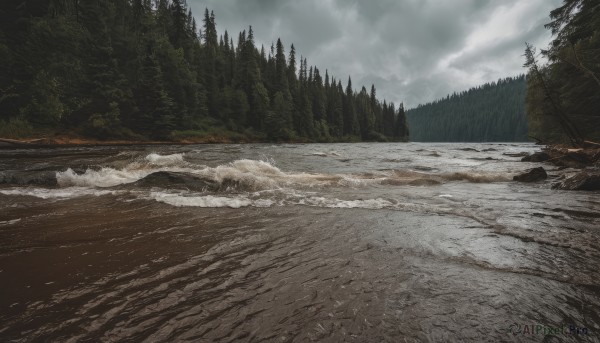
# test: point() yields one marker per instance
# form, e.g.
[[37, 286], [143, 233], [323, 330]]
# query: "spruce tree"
[[351, 127], [155, 115]]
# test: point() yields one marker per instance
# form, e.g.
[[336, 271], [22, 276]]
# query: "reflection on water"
[[341, 242]]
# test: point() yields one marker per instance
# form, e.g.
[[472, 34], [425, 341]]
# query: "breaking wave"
[[253, 175], [134, 171], [105, 177], [241, 174], [172, 180], [165, 160]]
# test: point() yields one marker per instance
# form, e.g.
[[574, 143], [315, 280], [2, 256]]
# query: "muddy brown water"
[[293, 243]]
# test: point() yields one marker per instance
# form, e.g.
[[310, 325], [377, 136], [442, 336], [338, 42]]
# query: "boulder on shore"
[[585, 180], [532, 175], [536, 157], [573, 158]]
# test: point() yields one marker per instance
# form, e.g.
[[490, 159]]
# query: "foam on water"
[[282, 199], [134, 171], [255, 175], [105, 177], [244, 183], [373, 204], [165, 160], [202, 201], [245, 174], [60, 193]]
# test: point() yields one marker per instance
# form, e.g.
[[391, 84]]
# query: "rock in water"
[[583, 181], [174, 180], [536, 157], [532, 175]]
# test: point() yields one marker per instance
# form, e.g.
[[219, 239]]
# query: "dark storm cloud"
[[414, 51]]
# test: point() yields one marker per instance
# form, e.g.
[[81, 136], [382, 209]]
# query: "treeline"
[[494, 112], [146, 69], [563, 98]]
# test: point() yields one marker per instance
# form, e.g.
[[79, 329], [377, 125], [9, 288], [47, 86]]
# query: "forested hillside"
[[563, 98], [494, 112], [146, 69]]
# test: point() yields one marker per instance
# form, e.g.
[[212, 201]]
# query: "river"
[[297, 242]]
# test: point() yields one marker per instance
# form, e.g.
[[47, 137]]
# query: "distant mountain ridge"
[[493, 112]]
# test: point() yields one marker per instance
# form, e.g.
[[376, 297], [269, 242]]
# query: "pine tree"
[[155, 116], [570, 82], [281, 74], [351, 126]]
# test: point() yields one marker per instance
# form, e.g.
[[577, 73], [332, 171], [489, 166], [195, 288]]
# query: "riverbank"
[[74, 141], [63, 141], [578, 169], [564, 156]]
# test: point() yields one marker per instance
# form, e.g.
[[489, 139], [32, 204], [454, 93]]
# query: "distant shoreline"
[[74, 141], [65, 141]]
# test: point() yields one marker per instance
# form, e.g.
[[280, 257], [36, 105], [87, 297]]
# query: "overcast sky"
[[414, 51]]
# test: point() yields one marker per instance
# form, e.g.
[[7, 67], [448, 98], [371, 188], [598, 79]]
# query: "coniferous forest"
[[145, 69], [563, 97], [494, 112]]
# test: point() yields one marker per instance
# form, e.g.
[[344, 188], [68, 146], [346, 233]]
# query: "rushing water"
[[278, 243]]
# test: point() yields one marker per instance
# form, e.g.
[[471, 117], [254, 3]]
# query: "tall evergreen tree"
[[563, 96], [155, 115], [351, 127]]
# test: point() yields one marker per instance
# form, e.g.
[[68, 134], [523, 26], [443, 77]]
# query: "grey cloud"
[[515, 47], [305, 24], [414, 51]]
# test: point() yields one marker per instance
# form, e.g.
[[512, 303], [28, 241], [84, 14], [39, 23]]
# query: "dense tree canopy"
[[563, 96], [147, 69], [494, 112]]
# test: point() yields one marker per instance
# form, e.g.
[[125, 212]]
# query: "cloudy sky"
[[414, 51]]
